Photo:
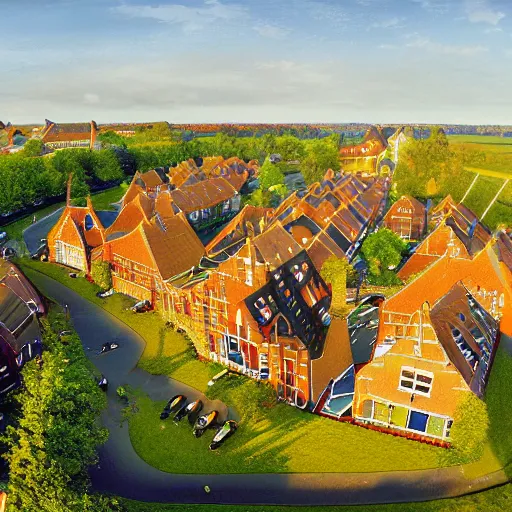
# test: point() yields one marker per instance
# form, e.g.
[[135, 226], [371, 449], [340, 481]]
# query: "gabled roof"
[[276, 246], [132, 214], [173, 243], [151, 179], [203, 194], [246, 223], [55, 132], [416, 206]]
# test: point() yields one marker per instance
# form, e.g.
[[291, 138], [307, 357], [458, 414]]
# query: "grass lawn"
[[481, 196], [494, 500], [100, 200]]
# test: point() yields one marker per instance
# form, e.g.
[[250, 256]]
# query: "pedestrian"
[[34, 220]]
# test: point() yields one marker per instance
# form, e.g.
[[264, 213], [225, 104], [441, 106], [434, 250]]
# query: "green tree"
[[106, 166], [334, 272], [289, 147], [56, 431], [112, 138], [33, 147], [321, 155], [383, 250], [270, 175]]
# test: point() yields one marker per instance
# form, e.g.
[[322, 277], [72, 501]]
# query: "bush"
[[101, 274], [469, 430]]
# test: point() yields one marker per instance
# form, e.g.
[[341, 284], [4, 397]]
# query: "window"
[[416, 381]]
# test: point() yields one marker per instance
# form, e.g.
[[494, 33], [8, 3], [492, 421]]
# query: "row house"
[[75, 235], [407, 217], [364, 156], [457, 231], [334, 215], [69, 135]]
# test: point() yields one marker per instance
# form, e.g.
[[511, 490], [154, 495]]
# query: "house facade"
[[407, 217]]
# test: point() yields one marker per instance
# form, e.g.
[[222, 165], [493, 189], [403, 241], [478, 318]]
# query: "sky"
[[193, 61]]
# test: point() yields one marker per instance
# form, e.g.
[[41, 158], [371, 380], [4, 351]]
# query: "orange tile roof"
[[276, 246], [204, 194], [140, 208], [151, 179], [173, 243]]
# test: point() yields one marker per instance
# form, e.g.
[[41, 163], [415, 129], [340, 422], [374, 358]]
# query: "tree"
[[105, 166], [270, 175], [469, 431], [112, 138], [56, 431], [33, 147], [289, 147], [383, 250], [321, 155], [334, 272]]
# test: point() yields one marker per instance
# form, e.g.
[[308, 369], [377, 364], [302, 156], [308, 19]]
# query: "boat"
[[190, 410], [224, 432], [174, 404], [203, 422]]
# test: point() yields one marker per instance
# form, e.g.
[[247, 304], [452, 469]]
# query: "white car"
[[3, 237]]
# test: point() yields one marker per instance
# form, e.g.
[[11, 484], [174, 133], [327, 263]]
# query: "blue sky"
[[445, 61]]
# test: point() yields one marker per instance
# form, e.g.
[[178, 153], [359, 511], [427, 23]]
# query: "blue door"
[[418, 421]]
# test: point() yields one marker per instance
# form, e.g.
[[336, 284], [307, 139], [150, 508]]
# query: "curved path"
[[122, 472]]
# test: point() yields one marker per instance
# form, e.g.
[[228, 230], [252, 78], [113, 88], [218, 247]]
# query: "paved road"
[[123, 473]]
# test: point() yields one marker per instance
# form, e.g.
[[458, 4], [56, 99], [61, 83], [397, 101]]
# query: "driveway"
[[122, 472]]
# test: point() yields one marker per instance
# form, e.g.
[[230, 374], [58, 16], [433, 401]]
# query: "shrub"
[[101, 274]]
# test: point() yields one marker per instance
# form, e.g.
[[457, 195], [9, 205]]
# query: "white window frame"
[[415, 381]]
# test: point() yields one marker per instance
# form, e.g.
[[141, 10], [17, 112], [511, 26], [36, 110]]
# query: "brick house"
[[69, 135], [407, 217]]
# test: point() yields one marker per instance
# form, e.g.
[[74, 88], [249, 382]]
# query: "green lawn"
[[494, 500], [100, 200]]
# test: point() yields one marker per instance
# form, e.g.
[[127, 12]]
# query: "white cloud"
[[271, 31], [389, 23], [190, 18], [91, 98], [417, 41], [435, 6], [481, 11]]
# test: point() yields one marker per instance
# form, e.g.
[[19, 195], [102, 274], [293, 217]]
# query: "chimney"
[[94, 130], [68, 190]]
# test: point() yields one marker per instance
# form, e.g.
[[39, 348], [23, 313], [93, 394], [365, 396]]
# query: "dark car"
[[224, 432], [204, 422], [174, 404]]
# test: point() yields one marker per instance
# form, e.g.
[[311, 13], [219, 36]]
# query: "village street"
[[122, 472]]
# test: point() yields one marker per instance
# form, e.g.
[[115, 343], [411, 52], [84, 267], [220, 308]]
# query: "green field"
[[480, 139]]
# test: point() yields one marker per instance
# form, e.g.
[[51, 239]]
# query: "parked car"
[[38, 202], [3, 237], [174, 404], [141, 307], [204, 422], [224, 432], [8, 253], [190, 410], [7, 214]]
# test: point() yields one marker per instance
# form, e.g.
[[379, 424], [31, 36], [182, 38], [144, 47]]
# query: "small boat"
[[224, 432], [203, 422], [103, 383], [174, 404], [190, 410], [108, 347]]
